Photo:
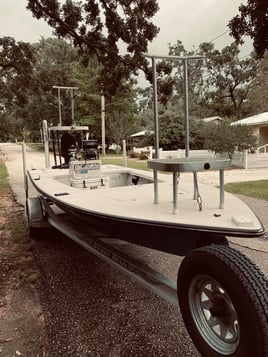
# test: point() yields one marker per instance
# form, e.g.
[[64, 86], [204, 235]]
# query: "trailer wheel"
[[223, 297], [37, 225]]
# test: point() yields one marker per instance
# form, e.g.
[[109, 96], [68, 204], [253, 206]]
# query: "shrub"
[[132, 155], [143, 156]]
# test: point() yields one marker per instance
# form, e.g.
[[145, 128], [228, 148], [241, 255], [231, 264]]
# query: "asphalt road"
[[91, 309]]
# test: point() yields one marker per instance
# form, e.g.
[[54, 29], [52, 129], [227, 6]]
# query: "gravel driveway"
[[90, 309]]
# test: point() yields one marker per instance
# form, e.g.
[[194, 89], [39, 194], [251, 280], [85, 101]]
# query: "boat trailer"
[[156, 282]]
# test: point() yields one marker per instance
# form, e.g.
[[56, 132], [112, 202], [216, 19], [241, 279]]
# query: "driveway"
[[91, 309]]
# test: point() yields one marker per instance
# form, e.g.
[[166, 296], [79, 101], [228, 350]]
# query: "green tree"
[[88, 99], [54, 60], [226, 138], [121, 115], [120, 110], [253, 22], [10, 127], [16, 67], [218, 84], [17, 61], [97, 28], [172, 131], [195, 70], [257, 101], [227, 79]]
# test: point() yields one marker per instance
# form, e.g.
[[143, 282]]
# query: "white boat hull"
[[125, 210]]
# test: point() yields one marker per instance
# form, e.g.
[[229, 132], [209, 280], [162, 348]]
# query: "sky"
[[190, 21], [193, 22]]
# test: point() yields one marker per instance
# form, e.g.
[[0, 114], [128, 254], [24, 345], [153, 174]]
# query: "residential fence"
[[248, 160]]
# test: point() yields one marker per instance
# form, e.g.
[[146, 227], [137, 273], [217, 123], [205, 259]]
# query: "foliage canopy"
[[218, 84], [221, 84], [253, 22], [99, 28], [16, 66]]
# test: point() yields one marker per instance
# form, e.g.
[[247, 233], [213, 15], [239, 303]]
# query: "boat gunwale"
[[232, 232]]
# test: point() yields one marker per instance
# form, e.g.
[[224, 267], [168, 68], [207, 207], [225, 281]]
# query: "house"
[[137, 138], [259, 124]]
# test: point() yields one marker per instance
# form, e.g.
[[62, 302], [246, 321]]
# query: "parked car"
[[114, 147]]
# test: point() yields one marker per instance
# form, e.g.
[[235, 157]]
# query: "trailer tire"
[[37, 226], [223, 297]]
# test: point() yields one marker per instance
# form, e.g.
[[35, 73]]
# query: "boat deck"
[[136, 202]]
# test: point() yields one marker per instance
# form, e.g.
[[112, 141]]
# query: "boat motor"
[[90, 149]]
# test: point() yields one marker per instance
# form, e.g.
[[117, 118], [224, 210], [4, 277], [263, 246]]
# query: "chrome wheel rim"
[[214, 315]]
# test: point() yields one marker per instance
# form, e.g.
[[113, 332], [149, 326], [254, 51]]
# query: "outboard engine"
[[90, 149]]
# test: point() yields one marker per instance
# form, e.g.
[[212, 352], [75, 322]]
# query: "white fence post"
[[150, 152], [160, 153], [246, 159], [125, 153]]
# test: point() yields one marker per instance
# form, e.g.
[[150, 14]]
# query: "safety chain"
[[198, 196], [199, 201]]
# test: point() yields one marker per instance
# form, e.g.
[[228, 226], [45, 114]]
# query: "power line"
[[222, 34]]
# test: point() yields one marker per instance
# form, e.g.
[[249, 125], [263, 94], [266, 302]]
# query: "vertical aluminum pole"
[[221, 189], [59, 101], [103, 124], [72, 101], [156, 129], [46, 144], [72, 104], [25, 169], [175, 192], [186, 109], [155, 109]]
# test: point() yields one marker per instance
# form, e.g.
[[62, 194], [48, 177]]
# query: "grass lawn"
[[16, 246], [256, 189], [131, 163], [36, 146], [4, 187]]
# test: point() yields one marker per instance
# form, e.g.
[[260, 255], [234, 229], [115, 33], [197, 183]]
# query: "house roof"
[[209, 119], [253, 120], [140, 133]]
